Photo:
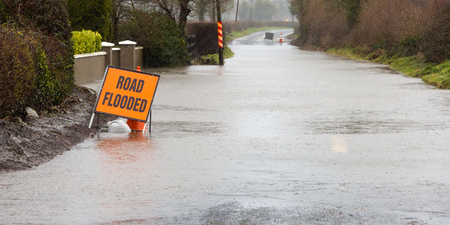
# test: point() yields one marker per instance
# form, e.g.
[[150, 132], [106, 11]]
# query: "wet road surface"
[[276, 136]]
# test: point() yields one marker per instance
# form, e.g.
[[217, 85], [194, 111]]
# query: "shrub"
[[86, 41], [322, 25], [164, 43], [16, 70], [91, 15], [436, 44], [41, 31], [392, 25], [206, 38]]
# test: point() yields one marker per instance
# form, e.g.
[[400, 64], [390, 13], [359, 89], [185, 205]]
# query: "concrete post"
[[127, 54], [107, 47]]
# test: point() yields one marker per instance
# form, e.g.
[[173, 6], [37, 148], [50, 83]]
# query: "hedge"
[[86, 41], [36, 55]]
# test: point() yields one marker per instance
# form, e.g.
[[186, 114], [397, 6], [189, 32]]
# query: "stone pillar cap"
[[127, 42], [107, 44]]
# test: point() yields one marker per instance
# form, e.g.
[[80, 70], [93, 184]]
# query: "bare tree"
[[177, 10], [204, 8], [119, 11]]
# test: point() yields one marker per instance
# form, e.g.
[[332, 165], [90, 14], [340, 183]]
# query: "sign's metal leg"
[[92, 119]]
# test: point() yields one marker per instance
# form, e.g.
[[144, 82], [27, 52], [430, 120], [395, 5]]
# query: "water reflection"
[[338, 144], [123, 148], [126, 169]]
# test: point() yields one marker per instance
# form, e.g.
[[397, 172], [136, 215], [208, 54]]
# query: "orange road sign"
[[127, 93]]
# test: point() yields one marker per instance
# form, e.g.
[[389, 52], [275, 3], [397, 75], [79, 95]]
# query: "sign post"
[[126, 93]]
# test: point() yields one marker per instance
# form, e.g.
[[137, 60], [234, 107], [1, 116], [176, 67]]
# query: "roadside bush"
[[206, 38], [394, 25], [17, 70], [436, 42], [323, 25], [42, 31], [164, 43], [86, 41]]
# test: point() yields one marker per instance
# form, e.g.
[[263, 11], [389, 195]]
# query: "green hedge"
[[86, 41]]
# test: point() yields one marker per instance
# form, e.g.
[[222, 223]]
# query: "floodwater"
[[275, 136]]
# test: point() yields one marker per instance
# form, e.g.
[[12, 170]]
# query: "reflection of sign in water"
[[127, 93], [339, 145]]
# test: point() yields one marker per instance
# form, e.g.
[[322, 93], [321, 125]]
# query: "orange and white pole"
[[219, 28]]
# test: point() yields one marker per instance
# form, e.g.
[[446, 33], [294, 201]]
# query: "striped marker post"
[[219, 26]]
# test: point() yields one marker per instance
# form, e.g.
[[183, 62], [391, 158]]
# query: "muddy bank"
[[34, 141]]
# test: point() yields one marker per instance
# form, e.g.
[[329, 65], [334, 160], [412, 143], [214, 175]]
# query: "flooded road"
[[276, 136]]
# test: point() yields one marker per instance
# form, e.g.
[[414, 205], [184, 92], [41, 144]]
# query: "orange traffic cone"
[[281, 37], [134, 124]]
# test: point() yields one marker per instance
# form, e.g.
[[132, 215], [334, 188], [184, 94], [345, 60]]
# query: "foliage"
[[206, 38], [202, 9], [244, 10], [263, 10], [42, 34], [436, 42], [91, 15], [352, 10], [16, 70], [414, 66], [177, 10], [441, 78], [395, 27], [213, 59], [86, 41], [164, 43], [46, 16]]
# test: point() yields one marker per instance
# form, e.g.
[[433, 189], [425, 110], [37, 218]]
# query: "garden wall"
[[91, 67]]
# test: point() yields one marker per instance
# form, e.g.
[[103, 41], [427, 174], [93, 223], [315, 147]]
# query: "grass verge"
[[414, 66]]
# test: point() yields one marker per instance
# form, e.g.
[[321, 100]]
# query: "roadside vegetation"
[[409, 35], [36, 56], [86, 41]]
